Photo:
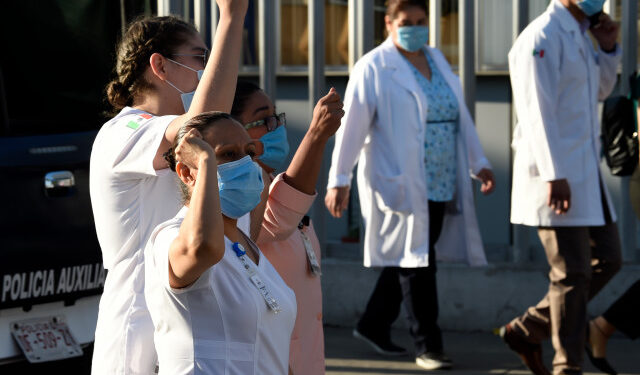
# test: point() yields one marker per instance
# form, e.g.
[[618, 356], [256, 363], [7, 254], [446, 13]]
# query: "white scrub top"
[[220, 324], [129, 199]]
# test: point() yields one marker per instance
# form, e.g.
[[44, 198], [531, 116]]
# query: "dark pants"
[[415, 288], [624, 314]]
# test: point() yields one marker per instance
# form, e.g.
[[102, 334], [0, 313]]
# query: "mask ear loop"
[[174, 86]]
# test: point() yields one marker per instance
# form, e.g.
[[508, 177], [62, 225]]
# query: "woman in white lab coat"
[[418, 148]]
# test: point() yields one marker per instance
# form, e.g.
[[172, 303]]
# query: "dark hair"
[[202, 123], [395, 6], [244, 90], [144, 37]]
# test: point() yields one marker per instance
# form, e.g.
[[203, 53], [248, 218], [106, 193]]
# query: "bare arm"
[[200, 242], [302, 173], [217, 87]]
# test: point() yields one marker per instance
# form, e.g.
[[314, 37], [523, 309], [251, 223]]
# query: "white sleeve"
[[359, 104], [608, 63], [160, 262], [132, 144], [535, 73]]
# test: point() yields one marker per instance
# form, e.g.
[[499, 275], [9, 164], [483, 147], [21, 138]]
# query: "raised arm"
[[216, 89], [200, 242], [302, 173]]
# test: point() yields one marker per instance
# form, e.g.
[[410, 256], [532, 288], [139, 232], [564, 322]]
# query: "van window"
[[56, 58]]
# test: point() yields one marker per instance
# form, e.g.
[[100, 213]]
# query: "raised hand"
[[606, 32], [233, 6], [327, 115]]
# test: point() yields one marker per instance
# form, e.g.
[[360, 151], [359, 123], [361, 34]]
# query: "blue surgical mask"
[[412, 38], [187, 97], [276, 148], [591, 7], [240, 185]]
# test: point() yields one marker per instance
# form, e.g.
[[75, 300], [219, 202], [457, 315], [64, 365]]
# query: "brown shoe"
[[530, 354]]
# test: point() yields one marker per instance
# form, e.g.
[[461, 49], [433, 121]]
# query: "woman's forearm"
[[220, 75], [302, 173], [200, 243]]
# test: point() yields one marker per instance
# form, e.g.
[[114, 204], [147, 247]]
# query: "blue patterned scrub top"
[[440, 135]]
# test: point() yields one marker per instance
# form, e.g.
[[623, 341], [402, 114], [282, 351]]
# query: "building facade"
[[298, 49]]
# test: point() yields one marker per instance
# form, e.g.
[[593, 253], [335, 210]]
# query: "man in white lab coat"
[[558, 78]]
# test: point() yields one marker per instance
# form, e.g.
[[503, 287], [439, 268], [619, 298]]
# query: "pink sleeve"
[[285, 208]]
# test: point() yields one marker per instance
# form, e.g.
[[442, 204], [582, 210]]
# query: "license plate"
[[45, 339]]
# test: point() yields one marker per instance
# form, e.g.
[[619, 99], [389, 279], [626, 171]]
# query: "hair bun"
[[170, 157]]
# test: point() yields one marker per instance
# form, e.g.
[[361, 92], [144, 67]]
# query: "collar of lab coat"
[[568, 23], [567, 20], [403, 75]]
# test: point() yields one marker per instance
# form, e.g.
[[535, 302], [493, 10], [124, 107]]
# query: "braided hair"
[[144, 37]]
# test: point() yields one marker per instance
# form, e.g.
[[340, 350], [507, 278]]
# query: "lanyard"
[[249, 267], [312, 260]]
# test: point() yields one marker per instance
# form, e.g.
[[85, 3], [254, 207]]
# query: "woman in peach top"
[[281, 229]]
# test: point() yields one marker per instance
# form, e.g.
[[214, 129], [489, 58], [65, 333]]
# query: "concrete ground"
[[472, 353]]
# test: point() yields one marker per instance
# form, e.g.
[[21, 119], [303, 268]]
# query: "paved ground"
[[472, 353]]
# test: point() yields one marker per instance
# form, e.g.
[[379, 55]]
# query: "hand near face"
[[488, 181], [327, 115], [606, 32], [192, 149]]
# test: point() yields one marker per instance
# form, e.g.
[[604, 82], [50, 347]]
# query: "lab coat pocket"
[[390, 193]]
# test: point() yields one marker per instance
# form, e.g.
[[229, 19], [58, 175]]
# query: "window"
[[379, 27], [494, 34], [66, 94], [250, 35], [294, 33], [536, 8], [449, 39]]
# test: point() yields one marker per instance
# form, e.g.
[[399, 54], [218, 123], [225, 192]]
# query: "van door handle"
[[59, 183]]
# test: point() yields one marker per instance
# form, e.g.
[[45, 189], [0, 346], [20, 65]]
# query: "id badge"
[[312, 260], [266, 294]]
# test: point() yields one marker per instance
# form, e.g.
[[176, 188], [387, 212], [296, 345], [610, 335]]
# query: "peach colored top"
[[281, 242]]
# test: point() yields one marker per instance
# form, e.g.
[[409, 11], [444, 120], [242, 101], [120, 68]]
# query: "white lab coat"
[[558, 133], [384, 123]]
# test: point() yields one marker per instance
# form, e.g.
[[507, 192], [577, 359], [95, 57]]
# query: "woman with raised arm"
[[162, 80], [281, 228], [217, 304]]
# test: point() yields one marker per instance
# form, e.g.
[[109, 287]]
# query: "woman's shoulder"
[[132, 119], [372, 59]]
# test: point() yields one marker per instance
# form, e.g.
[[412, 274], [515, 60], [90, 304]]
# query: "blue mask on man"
[[240, 185], [412, 38], [591, 7], [276, 148]]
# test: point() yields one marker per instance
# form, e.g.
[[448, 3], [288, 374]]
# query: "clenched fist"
[[327, 115]]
